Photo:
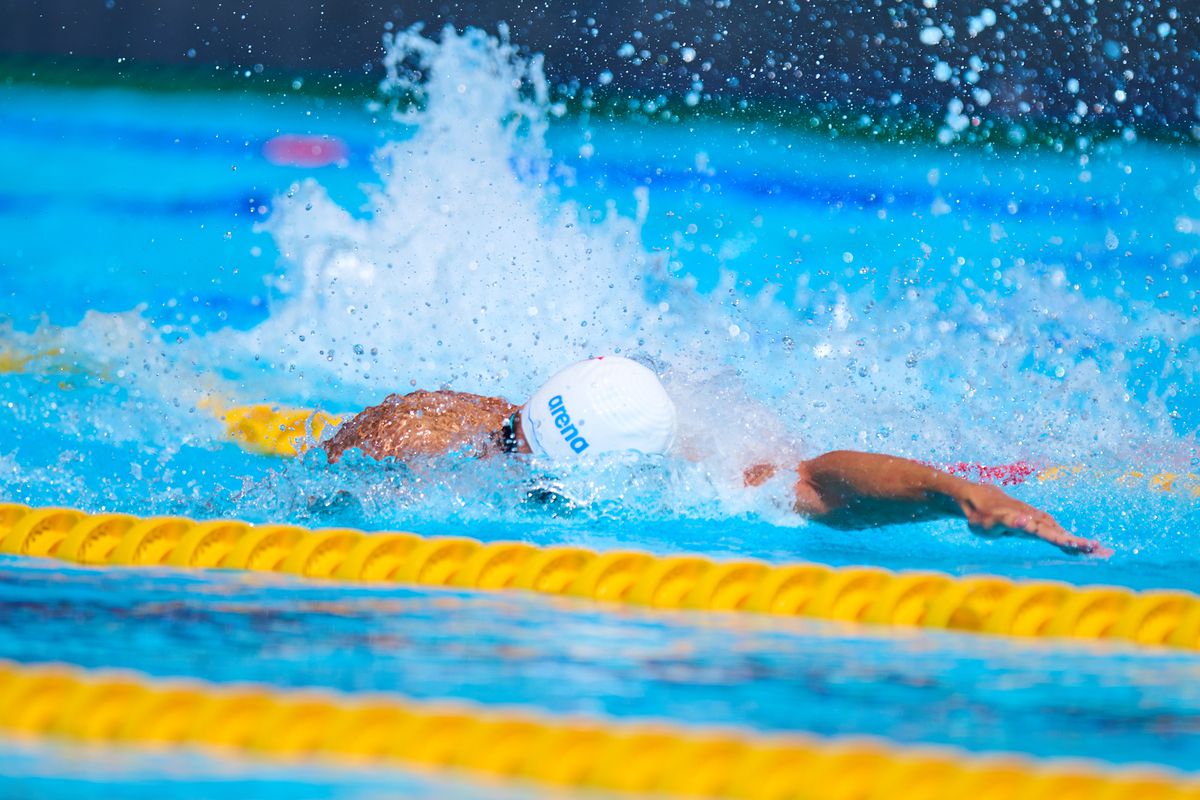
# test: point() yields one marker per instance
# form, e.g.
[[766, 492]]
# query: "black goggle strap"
[[508, 440]]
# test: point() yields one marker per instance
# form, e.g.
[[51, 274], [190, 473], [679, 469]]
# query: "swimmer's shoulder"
[[445, 401], [420, 422]]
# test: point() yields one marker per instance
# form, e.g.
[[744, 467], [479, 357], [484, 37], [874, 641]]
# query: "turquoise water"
[[802, 292], [1116, 704], [58, 771]]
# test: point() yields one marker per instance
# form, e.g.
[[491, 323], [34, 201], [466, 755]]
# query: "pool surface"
[[801, 292]]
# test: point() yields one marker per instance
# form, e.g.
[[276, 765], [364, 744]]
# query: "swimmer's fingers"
[[990, 512], [1040, 525], [1070, 543]]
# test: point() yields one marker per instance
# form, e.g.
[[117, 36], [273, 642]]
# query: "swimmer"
[[611, 404]]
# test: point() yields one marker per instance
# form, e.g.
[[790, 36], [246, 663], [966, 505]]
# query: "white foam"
[[465, 267]]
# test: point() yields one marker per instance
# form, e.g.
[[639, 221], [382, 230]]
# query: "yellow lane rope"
[[979, 604], [261, 428], [124, 708], [1186, 483], [271, 430]]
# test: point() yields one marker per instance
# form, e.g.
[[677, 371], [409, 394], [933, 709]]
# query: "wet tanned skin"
[[424, 424], [844, 489]]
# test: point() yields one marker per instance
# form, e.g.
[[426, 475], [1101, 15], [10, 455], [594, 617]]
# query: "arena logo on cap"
[[562, 421]]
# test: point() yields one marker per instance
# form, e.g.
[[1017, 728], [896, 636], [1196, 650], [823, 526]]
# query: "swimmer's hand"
[[991, 512], [847, 489]]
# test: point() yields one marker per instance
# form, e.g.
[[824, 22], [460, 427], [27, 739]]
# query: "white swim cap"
[[600, 405]]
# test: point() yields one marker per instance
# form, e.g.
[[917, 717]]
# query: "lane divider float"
[[272, 430], [980, 604], [262, 428], [129, 709]]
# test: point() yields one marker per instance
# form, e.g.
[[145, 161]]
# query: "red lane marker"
[[294, 150], [1005, 474]]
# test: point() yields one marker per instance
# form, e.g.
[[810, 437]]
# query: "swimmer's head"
[[602, 405]]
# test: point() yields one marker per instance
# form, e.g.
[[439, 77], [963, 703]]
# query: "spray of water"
[[462, 268], [467, 267]]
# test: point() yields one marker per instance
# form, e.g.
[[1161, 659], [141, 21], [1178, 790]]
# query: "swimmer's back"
[[423, 423]]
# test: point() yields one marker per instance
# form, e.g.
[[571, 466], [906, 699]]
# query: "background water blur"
[[1024, 57]]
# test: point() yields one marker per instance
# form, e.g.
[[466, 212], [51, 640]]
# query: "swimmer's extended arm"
[[858, 490]]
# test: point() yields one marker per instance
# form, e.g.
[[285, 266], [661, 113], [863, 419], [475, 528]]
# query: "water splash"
[[464, 268], [469, 265]]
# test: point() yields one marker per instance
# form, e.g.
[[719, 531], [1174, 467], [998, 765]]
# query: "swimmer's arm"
[[847, 489]]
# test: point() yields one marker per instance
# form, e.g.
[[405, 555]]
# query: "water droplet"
[[931, 35]]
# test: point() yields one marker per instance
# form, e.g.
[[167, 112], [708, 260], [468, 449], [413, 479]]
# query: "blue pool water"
[[803, 293], [78, 772]]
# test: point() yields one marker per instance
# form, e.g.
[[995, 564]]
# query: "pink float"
[[295, 150]]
